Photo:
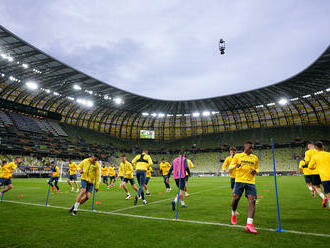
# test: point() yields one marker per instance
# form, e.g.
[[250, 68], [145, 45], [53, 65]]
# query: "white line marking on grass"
[[171, 220], [167, 199]]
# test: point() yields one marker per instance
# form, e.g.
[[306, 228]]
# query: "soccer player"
[[246, 165], [105, 175], [164, 167], [6, 174], [128, 176], [321, 162], [112, 175], [141, 163], [54, 177], [191, 165], [225, 167], [148, 177], [179, 167], [307, 176], [89, 169], [73, 175], [315, 177]]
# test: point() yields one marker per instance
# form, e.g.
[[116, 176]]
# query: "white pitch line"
[[167, 199], [171, 220]]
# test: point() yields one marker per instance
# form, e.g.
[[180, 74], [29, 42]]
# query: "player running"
[[6, 173], [128, 176], [89, 169], [191, 165], [225, 167], [112, 175], [141, 163], [247, 166], [73, 175], [54, 177], [315, 177], [308, 177], [148, 177], [321, 162], [179, 167], [105, 175], [164, 167], [121, 174]]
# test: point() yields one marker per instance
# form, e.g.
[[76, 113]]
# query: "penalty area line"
[[170, 220]]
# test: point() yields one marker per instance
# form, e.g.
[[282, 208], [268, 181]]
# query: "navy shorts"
[[232, 183], [86, 185], [250, 189], [122, 178], [5, 181], [326, 186], [147, 180], [308, 178], [105, 179], [182, 183], [112, 178], [316, 180], [130, 180], [52, 179], [186, 178], [73, 177]]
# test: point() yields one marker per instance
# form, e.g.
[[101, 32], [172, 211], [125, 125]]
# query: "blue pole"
[[2, 194], [279, 229], [51, 177], [177, 204], [94, 193]]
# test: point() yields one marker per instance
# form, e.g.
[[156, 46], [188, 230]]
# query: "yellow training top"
[[112, 172], [164, 167], [142, 162], [56, 173], [127, 169], [226, 164], [121, 170], [190, 164], [321, 162], [248, 163], [8, 170], [308, 157], [306, 171], [73, 168], [104, 171], [90, 171], [148, 174]]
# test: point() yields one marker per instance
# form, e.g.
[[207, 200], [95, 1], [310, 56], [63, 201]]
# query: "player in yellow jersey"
[[164, 167], [141, 163], [73, 175], [105, 175], [247, 166], [148, 177], [315, 177], [225, 167], [121, 174], [321, 162], [6, 173], [128, 176], [112, 175], [307, 176], [89, 169], [191, 165], [55, 175]]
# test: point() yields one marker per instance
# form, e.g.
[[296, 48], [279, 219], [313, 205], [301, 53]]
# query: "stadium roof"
[[21, 62]]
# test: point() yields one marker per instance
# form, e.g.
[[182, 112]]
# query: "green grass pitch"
[[118, 224]]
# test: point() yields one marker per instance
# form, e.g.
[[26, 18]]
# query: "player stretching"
[[164, 167], [308, 177], [105, 175], [225, 167], [148, 177], [89, 169], [128, 176], [55, 176], [247, 166], [179, 167], [315, 177], [73, 175], [112, 175], [6, 174], [141, 163], [321, 162], [191, 165]]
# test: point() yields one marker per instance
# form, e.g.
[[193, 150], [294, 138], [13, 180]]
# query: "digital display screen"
[[147, 134]]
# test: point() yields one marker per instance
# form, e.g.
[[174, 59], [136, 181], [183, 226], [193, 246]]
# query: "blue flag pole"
[[177, 205], [279, 229], [2, 194], [94, 191], [51, 178]]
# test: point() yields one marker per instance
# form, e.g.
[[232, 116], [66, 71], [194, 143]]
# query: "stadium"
[[52, 113]]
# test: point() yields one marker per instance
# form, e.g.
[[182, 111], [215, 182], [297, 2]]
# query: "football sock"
[[76, 205], [249, 221], [233, 212], [321, 195]]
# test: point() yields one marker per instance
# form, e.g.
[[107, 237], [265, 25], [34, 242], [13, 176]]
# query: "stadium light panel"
[[271, 104], [153, 114], [328, 89], [196, 114], [76, 87], [283, 101], [206, 113], [47, 90], [2, 75], [145, 114], [161, 115], [70, 98], [294, 99], [118, 100], [55, 93], [85, 102], [306, 96], [25, 66], [31, 85], [215, 112], [318, 92], [179, 115], [169, 115]]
